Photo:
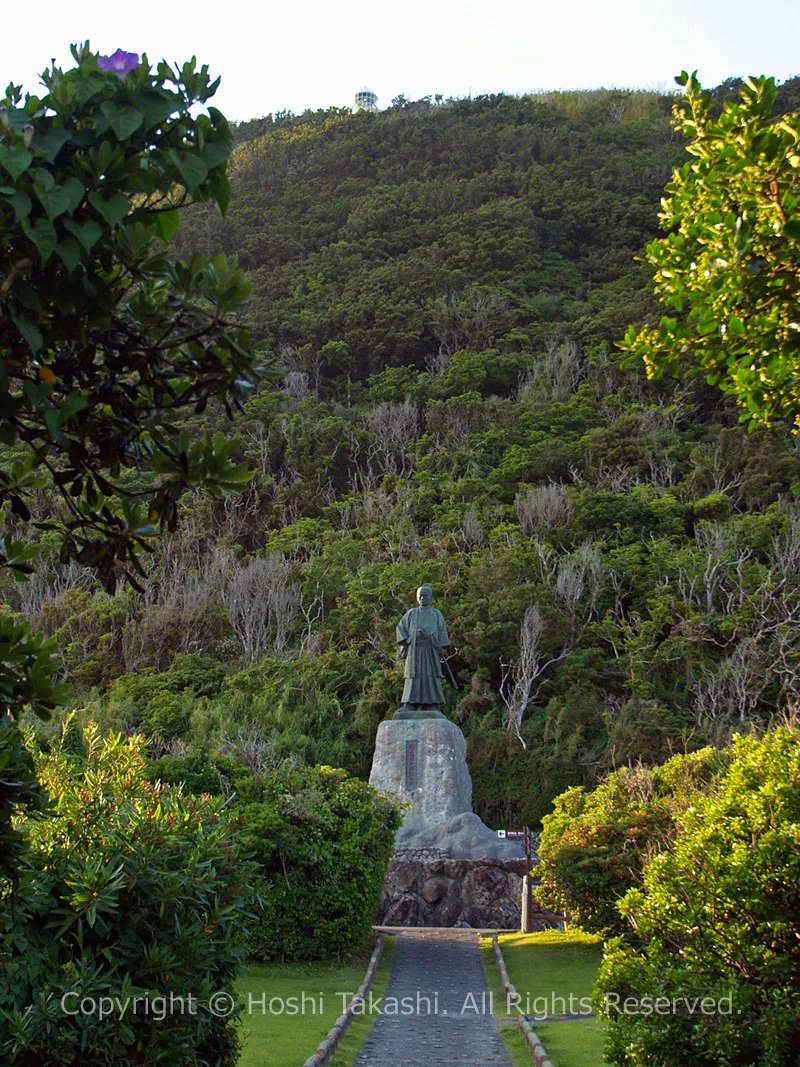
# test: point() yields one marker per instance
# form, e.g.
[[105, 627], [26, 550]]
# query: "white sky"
[[318, 53]]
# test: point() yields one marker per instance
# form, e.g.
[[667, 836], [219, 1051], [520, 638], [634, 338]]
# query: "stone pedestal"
[[448, 867], [424, 762]]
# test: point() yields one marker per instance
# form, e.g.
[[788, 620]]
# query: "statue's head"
[[424, 596]]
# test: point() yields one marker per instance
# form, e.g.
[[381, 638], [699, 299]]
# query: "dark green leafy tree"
[[103, 338], [730, 267]]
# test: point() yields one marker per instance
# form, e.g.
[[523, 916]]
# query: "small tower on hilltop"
[[366, 100]]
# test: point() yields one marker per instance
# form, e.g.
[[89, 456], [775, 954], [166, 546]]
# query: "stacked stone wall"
[[483, 894]]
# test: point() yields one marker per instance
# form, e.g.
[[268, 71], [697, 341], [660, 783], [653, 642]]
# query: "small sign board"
[[411, 766], [524, 836]]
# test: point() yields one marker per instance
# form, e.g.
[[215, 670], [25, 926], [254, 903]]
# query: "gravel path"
[[446, 1018]]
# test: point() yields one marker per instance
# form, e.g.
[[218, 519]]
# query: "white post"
[[526, 926]]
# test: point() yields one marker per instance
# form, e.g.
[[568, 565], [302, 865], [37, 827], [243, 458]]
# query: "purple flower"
[[121, 63]]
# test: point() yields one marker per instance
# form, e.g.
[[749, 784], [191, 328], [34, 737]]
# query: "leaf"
[[70, 252], [37, 394], [43, 235], [792, 229], [53, 418], [55, 201], [221, 190], [158, 107], [51, 142], [15, 159], [707, 326], [88, 234], [215, 153], [167, 223], [124, 120], [21, 204], [74, 403], [736, 326], [75, 191], [193, 170], [30, 333], [43, 177], [113, 210]]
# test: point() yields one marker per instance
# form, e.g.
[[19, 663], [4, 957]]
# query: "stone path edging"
[[534, 1044], [329, 1044]]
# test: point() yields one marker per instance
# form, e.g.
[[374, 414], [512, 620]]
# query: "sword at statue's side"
[[456, 686]]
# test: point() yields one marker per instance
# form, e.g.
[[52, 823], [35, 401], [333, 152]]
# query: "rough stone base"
[[462, 837], [436, 784], [484, 894]]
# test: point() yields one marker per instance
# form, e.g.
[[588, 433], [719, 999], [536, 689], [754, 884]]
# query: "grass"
[[554, 973], [275, 1038], [573, 1044], [515, 1043]]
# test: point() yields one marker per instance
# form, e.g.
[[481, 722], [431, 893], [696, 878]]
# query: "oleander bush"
[[130, 888]]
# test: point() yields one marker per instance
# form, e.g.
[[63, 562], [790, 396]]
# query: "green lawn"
[[285, 1030], [573, 1044], [554, 973]]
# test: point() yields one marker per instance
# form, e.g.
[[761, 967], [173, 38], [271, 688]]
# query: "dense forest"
[[442, 286]]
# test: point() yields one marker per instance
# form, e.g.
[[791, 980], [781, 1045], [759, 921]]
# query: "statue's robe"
[[422, 636]]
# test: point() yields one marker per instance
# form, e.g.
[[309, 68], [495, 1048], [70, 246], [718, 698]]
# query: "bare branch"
[[262, 604], [543, 505]]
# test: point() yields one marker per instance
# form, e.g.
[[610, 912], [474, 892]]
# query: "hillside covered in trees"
[[443, 286]]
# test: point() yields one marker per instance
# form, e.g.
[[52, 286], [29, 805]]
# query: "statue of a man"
[[422, 636]]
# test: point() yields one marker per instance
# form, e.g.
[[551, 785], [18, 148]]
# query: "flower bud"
[[27, 135], [4, 117]]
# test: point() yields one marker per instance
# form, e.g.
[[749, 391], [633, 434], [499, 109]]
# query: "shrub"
[[713, 506], [323, 842], [718, 917], [161, 703], [197, 772], [131, 889], [299, 704], [167, 716], [595, 845]]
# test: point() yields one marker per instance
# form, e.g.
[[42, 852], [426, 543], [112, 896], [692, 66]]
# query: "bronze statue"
[[422, 637]]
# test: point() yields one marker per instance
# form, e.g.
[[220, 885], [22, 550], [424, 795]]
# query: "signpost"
[[523, 835]]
